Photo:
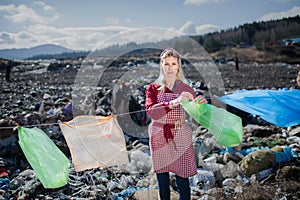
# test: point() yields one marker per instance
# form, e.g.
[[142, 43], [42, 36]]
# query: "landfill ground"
[[37, 97]]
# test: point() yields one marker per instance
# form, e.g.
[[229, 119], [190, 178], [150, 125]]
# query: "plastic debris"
[[226, 127], [95, 141], [49, 163]]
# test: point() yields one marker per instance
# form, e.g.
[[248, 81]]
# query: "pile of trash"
[[268, 162], [265, 165]]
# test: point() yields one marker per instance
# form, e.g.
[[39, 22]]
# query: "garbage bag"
[[46, 159], [95, 141], [226, 127]]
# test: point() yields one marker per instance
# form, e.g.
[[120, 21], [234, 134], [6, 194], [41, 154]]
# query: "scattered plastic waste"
[[205, 179], [286, 153], [140, 162], [4, 183], [54, 111], [94, 183], [124, 193], [264, 173]]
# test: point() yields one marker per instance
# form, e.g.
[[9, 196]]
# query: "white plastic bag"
[[95, 141]]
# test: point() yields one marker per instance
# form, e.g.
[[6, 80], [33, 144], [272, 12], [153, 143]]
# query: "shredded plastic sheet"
[[279, 107], [95, 141], [226, 127], [261, 158], [285, 156], [49, 163]]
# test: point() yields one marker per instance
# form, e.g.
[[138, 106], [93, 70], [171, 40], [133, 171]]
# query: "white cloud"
[[112, 21], [127, 20], [83, 38], [283, 1], [24, 35], [188, 28], [45, 6], [279, 15], [22, 13], [87, 38], [116, 21], [207, 28], [200, 2]]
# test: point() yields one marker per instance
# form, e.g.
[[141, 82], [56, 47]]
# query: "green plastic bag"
[[226, 127], [46, 159]]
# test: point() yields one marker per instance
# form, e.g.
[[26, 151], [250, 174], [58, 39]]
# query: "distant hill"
[[46, 49]]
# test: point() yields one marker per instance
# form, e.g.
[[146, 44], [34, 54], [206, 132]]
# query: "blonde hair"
[[161, 80]]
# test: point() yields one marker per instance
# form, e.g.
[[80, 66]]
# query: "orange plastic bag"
[[95, 141]]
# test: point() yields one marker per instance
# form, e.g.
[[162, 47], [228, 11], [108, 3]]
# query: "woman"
[[170, 136]]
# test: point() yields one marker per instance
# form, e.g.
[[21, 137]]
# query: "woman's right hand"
[[182, 97], [185, 96]]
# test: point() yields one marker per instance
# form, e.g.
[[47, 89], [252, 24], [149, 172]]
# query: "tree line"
[[260, 34]]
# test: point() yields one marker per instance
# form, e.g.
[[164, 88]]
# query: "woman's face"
[[170, 66]]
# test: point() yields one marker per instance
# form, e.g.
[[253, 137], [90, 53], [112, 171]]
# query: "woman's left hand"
[[200, 99]]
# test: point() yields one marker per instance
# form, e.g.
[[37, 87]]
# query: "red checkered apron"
[[175, 155]]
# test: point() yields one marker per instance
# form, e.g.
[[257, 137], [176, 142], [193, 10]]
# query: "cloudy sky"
[[80, 25]]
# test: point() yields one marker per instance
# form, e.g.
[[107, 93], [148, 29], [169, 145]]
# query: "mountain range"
[[23, 53]]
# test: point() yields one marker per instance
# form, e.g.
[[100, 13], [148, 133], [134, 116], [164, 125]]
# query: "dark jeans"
[[183, 186]]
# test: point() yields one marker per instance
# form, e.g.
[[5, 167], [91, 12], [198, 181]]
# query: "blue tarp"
[[278, 107]]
